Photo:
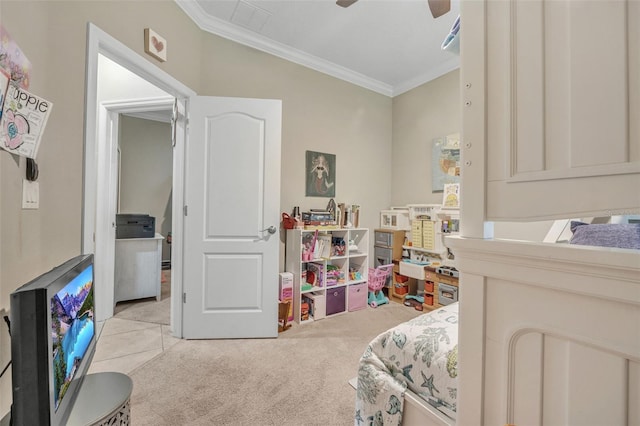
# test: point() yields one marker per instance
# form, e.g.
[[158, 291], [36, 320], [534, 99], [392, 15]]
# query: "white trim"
[[155, 109], [224, 29], [161, 103], [512, 337], [575, 172], [99, 42], [442, 69], [231, 32], [602, 272]]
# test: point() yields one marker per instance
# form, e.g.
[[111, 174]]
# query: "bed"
[[547, 330], [411, 369]]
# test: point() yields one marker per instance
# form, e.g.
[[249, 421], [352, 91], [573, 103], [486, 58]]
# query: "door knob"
[[272, 230]]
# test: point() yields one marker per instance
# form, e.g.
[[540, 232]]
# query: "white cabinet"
[[138, 267], [334, 279]]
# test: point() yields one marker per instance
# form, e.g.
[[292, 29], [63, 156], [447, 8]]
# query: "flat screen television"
[[53, 338]]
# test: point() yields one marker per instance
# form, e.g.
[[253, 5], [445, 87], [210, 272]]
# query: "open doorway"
[[145, 176], [239, 247], [136, 177], [152, 90]]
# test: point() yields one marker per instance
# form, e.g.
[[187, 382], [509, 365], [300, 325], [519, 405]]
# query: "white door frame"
[[99, 42], [108, 183]]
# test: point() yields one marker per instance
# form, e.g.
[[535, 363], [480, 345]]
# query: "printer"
[[135, 225]]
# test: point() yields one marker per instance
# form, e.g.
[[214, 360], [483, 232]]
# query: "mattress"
[[420, 354]]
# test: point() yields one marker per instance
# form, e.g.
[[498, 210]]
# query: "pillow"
[[620, 235]]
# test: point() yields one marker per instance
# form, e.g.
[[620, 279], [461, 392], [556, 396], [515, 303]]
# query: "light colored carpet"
[[299, 378]]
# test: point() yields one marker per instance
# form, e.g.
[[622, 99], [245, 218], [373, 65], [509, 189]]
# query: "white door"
[[231, 223], [106, 209]]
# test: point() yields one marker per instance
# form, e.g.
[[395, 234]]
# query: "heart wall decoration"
[[155, 45]]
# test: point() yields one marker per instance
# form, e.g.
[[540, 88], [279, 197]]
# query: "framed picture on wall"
[[451, 196], [320, 174], [445, 161]]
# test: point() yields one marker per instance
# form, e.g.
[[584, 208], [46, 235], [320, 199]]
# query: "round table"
[[103, 399]]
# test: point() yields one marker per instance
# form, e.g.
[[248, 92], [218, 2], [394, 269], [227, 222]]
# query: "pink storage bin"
[[357, 297]]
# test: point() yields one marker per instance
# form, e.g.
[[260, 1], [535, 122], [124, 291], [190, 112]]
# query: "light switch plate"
[[30, 194]]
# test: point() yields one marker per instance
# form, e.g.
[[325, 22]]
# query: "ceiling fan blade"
[[345, 3], [439, 7]]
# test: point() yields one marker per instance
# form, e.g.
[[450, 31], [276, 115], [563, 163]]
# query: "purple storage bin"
[[335, 300]]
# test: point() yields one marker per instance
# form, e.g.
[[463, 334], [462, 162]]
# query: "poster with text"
[[24, 118]]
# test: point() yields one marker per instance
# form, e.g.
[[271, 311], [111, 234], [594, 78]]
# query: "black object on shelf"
[[135, 226]]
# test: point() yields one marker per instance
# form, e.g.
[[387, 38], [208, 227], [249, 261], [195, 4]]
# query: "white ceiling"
[[389, 46]]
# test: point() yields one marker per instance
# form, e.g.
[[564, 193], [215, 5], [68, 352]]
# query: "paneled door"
[[231, 223]]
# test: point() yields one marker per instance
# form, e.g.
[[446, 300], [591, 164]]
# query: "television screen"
[[72, 329], [53, 339]]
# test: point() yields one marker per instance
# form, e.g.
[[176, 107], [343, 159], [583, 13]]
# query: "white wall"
[[524, 231], [429, 111], [146, 162]]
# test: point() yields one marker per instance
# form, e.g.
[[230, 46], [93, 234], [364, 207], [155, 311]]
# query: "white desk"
[[138, 268]]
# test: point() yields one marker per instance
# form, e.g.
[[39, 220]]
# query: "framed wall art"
[[155, 45], [320, 174], [445, 161]]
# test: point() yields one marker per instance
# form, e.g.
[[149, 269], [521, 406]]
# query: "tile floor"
[[124, 345]]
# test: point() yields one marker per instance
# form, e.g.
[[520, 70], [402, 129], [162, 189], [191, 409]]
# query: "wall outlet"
[[30, 194]]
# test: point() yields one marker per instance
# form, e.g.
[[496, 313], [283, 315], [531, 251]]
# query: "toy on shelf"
[[338, 246], [354, 275], [352, 244], [377, 279]]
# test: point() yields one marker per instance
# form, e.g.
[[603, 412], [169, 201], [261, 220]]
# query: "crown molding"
[[446, 67], [231, 32]]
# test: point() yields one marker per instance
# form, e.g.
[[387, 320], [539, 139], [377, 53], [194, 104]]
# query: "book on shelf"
[[317, 216], [320, 226], [323, 244], [355, 213]]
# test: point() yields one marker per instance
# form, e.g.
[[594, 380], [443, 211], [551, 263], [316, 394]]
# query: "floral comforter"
[[421, 354]]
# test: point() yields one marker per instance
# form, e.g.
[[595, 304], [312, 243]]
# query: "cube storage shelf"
[[332, 284]]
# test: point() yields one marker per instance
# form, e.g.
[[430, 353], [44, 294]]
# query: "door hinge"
[[185, 210], [184, 297]]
